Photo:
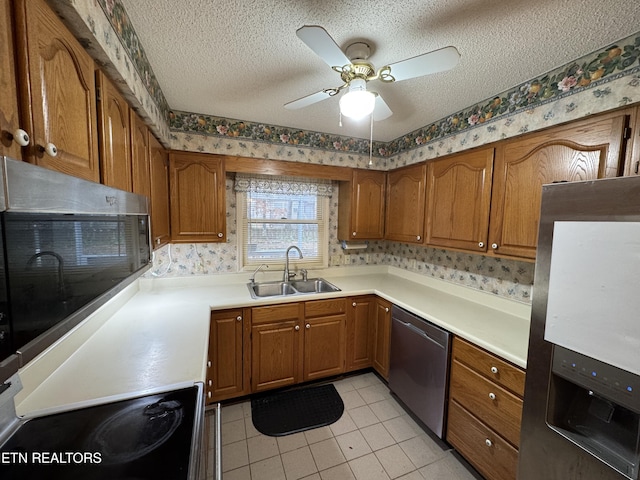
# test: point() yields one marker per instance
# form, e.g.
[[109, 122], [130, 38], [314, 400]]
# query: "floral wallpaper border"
[[596, 69], [117, 16]]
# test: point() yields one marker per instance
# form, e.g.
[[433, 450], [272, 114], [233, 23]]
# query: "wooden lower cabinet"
[[485, 410], [324, 338], [360, 330], [228, 367], [382, 337], [485, 449], [276, 346]]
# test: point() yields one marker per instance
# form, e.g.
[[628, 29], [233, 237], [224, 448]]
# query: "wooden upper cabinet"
[[584, 150], [159, 184], [361, 206], [114, 125], [9, 120], [404, 219], [141, 156], [59, 99], [458, 200], [198, 210]]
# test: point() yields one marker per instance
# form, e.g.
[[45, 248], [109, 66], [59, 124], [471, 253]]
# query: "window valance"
[[283, 185]]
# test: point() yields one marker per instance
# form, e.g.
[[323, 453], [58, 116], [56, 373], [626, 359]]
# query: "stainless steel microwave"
[[66, 247]]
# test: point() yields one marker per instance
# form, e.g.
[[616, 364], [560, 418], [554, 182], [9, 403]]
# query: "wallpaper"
[[604, 80]]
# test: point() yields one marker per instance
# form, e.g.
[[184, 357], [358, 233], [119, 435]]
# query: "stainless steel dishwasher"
[[418, 369]]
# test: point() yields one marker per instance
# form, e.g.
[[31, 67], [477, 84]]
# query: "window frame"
[[294, 262]]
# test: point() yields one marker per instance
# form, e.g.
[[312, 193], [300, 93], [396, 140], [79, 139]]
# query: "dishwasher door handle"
[[420, 332]]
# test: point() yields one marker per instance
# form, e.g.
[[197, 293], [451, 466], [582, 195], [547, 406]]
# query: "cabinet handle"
[[307, 326], [418, 237], [494, 246], [492, 395], [220, 235], [209, 394], [353, 304], [209, 383], [239, 318], [494, 370], [21, 137], [209, 364], [50, 149], [386, 309], [353, 234], [481, 244], [158, 241], [297, 327], [488, 443]]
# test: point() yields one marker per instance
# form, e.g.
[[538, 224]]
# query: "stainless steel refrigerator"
[[581, 417]]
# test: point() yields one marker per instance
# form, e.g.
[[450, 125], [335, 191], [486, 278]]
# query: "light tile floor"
[[374, 439]]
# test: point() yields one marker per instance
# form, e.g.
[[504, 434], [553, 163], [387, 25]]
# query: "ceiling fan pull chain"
[[371, 141]]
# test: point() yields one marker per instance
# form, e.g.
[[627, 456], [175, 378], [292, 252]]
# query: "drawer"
[[276, 313], [494, 405], [487, 451], [501, 372], [323, 308]]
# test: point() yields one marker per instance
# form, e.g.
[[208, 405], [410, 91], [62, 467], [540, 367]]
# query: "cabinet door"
[[140, 156], [458, 200], [324, 346], [360, 330], [404, 220], [227, 376], [382, 339], [59, 102], [581, 151], [275, 355], [198, 210], [159, 176], [9, 120], [361, 206], [115, 135]]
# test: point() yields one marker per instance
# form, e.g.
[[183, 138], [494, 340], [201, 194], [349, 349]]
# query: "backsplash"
[[507, 278]]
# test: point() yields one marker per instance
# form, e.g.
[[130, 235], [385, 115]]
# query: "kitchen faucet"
[[62, 289], [288, 276]]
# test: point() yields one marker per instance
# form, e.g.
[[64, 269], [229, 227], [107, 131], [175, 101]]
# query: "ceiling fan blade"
[[306, 101], [437, 61], [381, 110], [318, 40]]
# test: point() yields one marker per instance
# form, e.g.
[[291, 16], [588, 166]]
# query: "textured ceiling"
[[243, 60]]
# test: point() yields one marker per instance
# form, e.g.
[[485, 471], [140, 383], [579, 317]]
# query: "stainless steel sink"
[[314, 285], [297, 287]]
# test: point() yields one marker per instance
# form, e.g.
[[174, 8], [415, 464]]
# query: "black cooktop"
[[148, 437]]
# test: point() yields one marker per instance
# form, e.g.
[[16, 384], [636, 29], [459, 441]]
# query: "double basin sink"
[[295, 287]]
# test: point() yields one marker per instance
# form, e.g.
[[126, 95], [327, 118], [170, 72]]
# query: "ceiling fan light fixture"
[[357, 103]]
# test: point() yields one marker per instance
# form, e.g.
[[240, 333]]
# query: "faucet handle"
[[304, 273], [292, 275]]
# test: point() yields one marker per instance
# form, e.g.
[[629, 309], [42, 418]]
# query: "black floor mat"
[[284, 413]]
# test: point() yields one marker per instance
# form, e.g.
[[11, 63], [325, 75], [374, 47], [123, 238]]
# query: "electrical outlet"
[[413, 263], [367, 258], [347, 259]]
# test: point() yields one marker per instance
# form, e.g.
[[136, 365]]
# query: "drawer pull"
[[209, 394], [297, 328], [307, 326], [210, 383], [492, 396], [488, 443], [494, 370], [239, 318], [209, 364]]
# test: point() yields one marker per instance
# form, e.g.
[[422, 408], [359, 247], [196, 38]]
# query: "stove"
[[146, 437]]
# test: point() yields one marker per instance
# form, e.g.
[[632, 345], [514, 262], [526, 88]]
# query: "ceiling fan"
[[355, 71]]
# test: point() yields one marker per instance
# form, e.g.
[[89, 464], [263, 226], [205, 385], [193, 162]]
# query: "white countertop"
[[154, 335]]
